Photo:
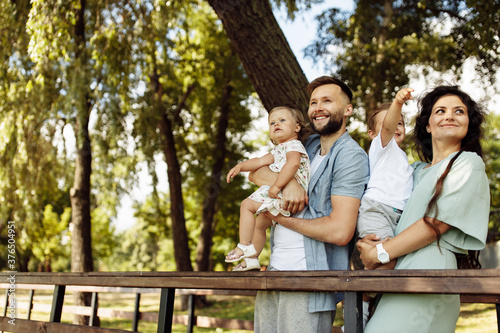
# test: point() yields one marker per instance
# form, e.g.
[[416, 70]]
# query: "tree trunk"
[[81, 248], [264, 52], [179, 231], [204, 247], [372, 98]]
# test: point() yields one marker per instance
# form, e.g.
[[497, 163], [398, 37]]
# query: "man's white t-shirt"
[[288, 253]]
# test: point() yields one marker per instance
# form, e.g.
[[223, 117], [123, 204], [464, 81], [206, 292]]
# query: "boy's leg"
[[259, 236]]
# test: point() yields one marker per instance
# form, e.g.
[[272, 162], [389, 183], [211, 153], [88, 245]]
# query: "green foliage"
[[147, 246], [194, 67], [294, 6], [373, 47], [491, 146], [50, 237]]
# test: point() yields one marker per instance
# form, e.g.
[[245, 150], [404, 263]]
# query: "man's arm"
[[337, 228], [415, 237], [294, 195]]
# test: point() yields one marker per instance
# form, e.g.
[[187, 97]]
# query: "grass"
[[474, 318]]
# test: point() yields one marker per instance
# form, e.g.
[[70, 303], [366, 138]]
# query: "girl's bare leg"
[[259, 235], [248, 208], [247, 220]]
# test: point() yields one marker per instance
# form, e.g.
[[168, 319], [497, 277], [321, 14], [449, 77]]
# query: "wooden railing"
[[479, 286], [29, 304]]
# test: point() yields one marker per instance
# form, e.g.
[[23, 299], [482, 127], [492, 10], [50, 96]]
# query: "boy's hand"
[[404, 95], [233, 173]]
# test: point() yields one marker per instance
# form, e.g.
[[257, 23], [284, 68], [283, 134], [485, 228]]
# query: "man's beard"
[[333, 126]]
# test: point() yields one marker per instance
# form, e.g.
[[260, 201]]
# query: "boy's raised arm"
[[393, 115]]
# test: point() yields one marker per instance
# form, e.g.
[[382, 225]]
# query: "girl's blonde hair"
[[305, 130]]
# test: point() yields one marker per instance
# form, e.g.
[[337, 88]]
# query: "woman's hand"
[[366, 247]]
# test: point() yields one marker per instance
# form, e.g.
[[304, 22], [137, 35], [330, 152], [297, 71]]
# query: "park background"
[[120, 118]]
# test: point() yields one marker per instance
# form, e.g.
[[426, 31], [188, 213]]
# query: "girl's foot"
[[247, 264], [241, 251]]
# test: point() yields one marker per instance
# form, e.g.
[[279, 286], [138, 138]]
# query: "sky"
[[299, 33]]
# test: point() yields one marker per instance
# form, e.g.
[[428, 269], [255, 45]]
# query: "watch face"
[[384, 258], [382, 255]]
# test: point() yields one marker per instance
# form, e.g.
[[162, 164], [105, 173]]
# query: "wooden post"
[[498, 316], [94, 307], [353, 316], [30, 304], [191, 318], [166, 313], [57, 303], [6, 302], [135, 321]]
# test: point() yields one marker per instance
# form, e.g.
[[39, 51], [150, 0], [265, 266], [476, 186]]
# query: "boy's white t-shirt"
[[288, 252], [391, 176]]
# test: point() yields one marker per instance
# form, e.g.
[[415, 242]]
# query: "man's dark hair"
[[322, 80]]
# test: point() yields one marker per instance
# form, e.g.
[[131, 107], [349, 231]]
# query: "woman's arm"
[[286, 174], [413, 238]]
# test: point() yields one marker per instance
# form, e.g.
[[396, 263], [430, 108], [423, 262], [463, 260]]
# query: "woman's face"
[[449, 120]]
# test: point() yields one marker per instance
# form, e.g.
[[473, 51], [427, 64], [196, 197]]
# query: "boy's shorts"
[[377, 218]]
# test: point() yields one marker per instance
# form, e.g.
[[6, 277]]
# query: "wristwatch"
[[382, 254]]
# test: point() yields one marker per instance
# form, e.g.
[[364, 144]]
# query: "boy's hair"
[[305, 131], [322, 80], [373, 114]]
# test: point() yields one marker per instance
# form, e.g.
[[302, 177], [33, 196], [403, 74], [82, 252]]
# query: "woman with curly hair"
[[445, 221]]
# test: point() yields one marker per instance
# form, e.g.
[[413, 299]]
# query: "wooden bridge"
[[474, 286]]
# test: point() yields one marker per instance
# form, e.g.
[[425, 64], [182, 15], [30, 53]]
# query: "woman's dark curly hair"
[[423, 147], [422, 139]]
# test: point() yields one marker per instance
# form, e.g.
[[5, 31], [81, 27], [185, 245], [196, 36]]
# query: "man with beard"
[[317, 237]]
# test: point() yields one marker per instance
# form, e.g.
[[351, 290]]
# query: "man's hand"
[[294, 197], [368, 252], [371, 239]]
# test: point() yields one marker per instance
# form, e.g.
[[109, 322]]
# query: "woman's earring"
[[428, 130]]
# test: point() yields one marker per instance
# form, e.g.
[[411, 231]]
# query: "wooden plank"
[[428, 284], [30, 286], [25, 326], [451, 284], [230, 324], [211, 322], [480, 299]]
